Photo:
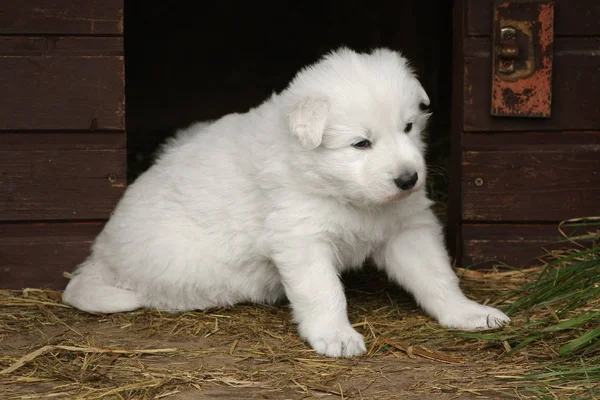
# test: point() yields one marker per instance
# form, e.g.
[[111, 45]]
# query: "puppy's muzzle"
[[406, 181]]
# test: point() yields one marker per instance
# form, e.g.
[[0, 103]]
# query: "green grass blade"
[[576, 344]]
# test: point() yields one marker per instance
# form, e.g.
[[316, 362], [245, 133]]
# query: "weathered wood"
[[575, 99], [531, 183], [523, 140], [534, 172], [517, 245], [48, 46], [456, 134], [11, 141], [82, 17], [58, 91], [36, 255], [573, 17], [61, 176]]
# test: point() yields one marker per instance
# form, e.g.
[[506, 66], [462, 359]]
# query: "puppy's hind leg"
[[87, 291]]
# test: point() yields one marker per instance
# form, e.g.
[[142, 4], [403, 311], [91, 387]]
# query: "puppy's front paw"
[[341, 341], [473, 316]]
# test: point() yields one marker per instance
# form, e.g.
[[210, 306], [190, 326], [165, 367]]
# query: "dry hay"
[[48, 350]]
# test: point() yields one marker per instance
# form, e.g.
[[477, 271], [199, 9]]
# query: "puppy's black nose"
[[406, 181]]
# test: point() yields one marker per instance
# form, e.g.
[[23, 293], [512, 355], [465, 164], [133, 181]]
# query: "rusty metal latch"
[[522, 41], [508, 51]]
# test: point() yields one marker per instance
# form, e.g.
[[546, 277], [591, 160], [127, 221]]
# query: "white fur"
[[277, 202]]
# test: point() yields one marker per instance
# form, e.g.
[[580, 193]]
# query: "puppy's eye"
[[408, 127], [363, 144], [423, 107]]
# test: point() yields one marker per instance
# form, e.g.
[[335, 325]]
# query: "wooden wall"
[[62, 133], [514, 179]]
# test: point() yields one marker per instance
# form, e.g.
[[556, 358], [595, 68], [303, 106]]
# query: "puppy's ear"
[[424, 98], [307, 121]]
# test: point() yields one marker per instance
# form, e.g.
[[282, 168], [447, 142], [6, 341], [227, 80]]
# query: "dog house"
[[89, 89]]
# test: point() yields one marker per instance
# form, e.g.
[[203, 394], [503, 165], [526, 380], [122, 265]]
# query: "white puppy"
[[279, 201]]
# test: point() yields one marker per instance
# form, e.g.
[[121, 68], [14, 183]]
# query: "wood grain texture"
[[523, 140], [534, 172], [82, 17], [48, 46], [61, 176], [517, 245], [575, 98], [61, 83], [456, 135], [36, 255], [531, 183], [573, 17]]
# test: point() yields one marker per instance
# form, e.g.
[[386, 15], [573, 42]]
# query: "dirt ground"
[[246, 352]]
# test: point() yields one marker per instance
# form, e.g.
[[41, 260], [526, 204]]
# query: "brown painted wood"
[[517, 245], [573, 17], [20, 46], [61, 83], [82, 17], [576, 98], [453, 232], [522, 140], [531, 183], [535, 172], [12, 141], [61, 176], [36, 255]]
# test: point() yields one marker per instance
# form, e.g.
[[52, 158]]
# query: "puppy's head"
[[359, 118]]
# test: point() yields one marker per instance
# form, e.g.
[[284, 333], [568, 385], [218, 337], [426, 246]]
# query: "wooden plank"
[[61, 176], [518, 245], [12, 141], [47, 46], [573, 18], [456, 134], [575, 91], [36, 255], [67, 85], [519, 141], [82, 17], [541, 182]]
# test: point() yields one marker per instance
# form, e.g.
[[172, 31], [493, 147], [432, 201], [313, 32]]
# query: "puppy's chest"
[[357, 237]]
